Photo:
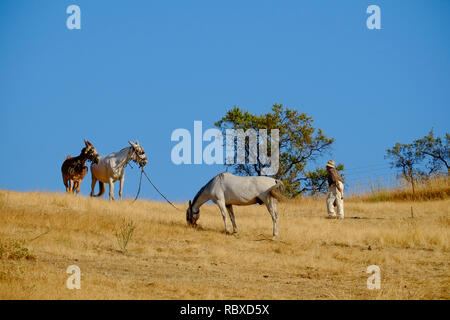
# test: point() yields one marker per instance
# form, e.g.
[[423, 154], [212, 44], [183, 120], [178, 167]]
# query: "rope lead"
[[139, 190]]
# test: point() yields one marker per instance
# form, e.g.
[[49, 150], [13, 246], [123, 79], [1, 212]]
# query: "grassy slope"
[[314, 258], [436, 188]]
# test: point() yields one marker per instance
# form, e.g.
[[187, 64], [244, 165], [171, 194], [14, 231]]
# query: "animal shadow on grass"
[[262, 237], [366, 218]]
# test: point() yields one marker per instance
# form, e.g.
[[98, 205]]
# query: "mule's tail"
[[277, 191], [102, 189]]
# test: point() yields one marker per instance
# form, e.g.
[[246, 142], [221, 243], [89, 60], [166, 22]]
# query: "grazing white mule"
[[111, 168], [227, 190]]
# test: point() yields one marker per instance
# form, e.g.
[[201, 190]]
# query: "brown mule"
[[73, 169]]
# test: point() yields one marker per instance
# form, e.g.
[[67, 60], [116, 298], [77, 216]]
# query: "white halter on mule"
[[112, 168]]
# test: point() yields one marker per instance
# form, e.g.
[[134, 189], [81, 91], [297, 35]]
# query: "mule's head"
[[138, 155], [90, 153], [191, 216]]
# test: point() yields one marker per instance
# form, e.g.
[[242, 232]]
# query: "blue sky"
[[141, 69]]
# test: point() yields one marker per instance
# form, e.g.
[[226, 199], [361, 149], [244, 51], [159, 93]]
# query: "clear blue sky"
[[140, 69]]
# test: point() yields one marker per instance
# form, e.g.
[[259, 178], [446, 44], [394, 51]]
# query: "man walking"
[[336, 192]]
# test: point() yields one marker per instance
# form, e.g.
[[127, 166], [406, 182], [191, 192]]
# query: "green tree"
[[300, 143], [435, 150], [406, 158]]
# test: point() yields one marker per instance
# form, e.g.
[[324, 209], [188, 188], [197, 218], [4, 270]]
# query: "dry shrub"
[[123, 234], [14, 250]]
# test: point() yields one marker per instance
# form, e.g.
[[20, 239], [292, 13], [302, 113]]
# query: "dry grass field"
[[41, 234]]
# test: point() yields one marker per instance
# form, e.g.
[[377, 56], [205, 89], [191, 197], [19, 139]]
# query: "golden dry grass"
[[435, 188], [41, 234]]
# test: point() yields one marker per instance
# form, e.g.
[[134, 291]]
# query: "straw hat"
[[330, 164]]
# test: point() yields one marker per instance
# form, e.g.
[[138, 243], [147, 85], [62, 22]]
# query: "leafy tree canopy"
[[299, 144]]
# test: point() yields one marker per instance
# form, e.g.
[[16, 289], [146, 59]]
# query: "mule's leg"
[[93, 182], [231, 213], [66, 184], [111, 189], [93, 187], [78, 186], [122, 179], [271, 204], [71, 186], [223, 211]]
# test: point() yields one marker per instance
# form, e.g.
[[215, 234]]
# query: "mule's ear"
[[137, 143], [132, 144], [86, 143], [190, 203]]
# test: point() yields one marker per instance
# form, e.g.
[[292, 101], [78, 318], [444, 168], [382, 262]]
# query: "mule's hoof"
[[194, 226]]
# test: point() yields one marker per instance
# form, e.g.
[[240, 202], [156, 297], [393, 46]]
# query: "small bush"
[[124, 233], [14, 250]]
